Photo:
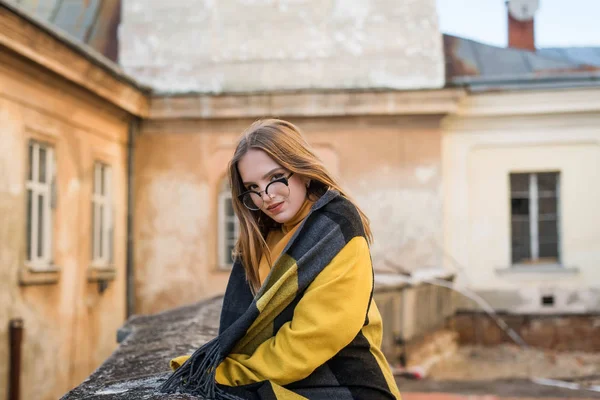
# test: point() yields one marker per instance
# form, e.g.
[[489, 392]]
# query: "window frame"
[[47, 191], [102, 232], [533, 216], [223, 241]]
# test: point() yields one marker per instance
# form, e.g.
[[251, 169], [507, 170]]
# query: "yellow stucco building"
[[66, 117]]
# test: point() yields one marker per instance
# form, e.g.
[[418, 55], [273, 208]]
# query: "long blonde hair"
[[284, 143]]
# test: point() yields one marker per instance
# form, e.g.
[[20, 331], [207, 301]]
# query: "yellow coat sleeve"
[[177, 362], [328, 317]]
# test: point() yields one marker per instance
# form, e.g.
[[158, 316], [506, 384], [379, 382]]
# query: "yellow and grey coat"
[[312, 331]]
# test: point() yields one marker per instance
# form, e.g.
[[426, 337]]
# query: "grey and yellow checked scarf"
[[248, 321]]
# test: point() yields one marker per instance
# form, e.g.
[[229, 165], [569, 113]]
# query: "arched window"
[[229, 228]]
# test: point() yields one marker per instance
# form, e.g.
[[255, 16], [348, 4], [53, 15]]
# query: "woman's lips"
[[275, 207]]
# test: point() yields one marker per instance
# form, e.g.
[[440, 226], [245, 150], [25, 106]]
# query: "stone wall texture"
[[268, 45]]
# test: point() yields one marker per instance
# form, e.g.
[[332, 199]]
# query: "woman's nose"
[[269, 197]]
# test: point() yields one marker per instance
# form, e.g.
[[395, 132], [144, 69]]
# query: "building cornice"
[[518, 123], [305, 104], [44, 45], [532, 102]]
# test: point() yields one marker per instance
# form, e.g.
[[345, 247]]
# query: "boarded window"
[[535, 217]]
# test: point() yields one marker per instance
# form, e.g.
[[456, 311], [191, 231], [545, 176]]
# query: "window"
[[535, 218], [102, 216], [40, 203], [228, 226]]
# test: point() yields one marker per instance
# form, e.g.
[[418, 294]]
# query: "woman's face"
[[257, 169]]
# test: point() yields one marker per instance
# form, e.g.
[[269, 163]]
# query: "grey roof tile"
[[582, 55], [473, 63]]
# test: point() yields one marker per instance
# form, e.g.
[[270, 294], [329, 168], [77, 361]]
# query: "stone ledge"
[[140, 364], [29, 276], [306, 104], [537, 269], [97, 274]]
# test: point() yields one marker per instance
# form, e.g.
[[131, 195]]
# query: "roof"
[[141, 363], [583, 55], [484, 67], [91, 26], [93, 22], [16, 7]]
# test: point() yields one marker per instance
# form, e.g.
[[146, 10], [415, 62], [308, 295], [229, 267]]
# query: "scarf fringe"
[[197, 375]]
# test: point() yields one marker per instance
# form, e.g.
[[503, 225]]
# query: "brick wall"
[[564, 333]]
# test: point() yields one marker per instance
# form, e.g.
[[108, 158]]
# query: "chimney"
[[521, 34], [521, 23]]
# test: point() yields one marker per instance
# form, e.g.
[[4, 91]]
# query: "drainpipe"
[[14, 370], [130, 279]]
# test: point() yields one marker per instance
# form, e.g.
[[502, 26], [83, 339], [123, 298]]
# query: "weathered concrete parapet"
[[266, 45], [140, 364], [137, 368], [415, 309]]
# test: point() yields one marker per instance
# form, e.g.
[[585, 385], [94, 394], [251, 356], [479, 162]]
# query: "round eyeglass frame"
[[283, 179]]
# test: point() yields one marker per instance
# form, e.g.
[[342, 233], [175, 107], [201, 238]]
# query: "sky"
[[558, 23]]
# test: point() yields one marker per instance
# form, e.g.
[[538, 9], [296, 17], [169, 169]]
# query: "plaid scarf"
[[247, 321]]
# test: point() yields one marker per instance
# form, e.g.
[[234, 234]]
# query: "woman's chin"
[[281, 217]]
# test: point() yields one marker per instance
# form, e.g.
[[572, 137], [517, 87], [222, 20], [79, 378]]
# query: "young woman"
[[298, 318]]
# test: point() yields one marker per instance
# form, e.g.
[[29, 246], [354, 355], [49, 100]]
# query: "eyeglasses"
[[276, 190]]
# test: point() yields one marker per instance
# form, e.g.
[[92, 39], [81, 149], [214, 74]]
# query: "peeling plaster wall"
[[264, 45], [390, 165], [69, 328], [176, 188], [479, 153]]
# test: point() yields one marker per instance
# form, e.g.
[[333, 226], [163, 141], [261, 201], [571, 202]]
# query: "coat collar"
[[326, 198], [322, 202]]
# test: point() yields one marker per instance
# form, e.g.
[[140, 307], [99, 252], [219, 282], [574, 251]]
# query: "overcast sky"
[[558, 23]]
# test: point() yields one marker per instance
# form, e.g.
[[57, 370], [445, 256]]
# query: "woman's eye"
[[276, 176]]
